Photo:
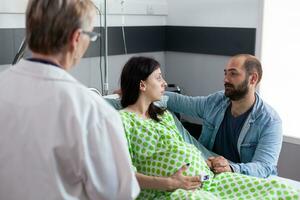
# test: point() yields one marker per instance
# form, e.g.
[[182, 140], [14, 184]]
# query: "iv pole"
[[105, 91]]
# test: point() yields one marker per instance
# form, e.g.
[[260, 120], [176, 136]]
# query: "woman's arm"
[[176, 181]]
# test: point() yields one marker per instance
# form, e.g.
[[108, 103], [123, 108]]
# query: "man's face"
[[236, 81]]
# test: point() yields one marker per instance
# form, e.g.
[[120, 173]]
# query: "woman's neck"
[[140, 107]]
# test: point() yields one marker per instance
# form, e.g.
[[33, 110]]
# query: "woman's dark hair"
[[135, 70]]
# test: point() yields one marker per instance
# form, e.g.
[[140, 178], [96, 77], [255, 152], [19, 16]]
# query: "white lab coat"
[[59, 140]]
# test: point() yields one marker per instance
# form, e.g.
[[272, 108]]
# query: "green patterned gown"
[[158, 149]]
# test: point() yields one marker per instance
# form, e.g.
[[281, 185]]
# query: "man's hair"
[[51, 23], [135, 70], [251, 64]]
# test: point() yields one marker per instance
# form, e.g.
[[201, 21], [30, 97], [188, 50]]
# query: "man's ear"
[[254, 78], [142, 86]]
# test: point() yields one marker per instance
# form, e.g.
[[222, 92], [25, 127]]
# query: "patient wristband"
[[204, 177]]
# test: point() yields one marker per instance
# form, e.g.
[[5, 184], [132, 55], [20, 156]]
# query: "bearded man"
[[237, 125]]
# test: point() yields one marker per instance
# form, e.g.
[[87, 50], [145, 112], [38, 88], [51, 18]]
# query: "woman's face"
[[154, 86]]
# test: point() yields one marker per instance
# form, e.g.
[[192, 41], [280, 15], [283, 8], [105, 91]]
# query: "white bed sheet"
[[293, 183]]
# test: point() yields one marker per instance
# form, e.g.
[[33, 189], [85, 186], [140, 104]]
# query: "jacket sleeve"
[[193, 106], [108, 170], [264, 161]]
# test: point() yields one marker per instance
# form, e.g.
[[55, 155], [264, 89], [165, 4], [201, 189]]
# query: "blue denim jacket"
[[260, 140]]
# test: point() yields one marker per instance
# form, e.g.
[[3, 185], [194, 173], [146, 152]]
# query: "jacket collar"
[[255, 113]]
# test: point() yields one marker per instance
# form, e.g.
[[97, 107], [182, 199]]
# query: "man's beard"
[[238, 92]]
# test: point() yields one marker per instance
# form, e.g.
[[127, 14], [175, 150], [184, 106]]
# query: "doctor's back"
[[58, 140]]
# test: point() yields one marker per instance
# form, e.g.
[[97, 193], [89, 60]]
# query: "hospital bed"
[[115, 102]]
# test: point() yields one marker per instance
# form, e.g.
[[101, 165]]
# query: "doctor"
[[58, 140], [237, 123]]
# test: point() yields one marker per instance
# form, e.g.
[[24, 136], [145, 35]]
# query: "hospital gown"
[[158, 149]]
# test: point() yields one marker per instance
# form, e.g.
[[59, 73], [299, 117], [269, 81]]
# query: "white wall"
[[136, 12], [280, 50], [228, 13]]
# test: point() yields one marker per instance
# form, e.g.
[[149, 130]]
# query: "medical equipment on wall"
[[105, 84], [100, 52]]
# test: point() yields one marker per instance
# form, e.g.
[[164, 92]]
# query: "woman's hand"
[[178, 180]]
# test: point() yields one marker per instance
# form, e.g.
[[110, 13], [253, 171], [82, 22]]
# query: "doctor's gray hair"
[[51, 23]]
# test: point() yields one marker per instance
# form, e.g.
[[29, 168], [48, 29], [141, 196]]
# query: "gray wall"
[[191, 72], [289, 161]]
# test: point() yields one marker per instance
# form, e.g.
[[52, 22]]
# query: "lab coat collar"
[[42, 71]]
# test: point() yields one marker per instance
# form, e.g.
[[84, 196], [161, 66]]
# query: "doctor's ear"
[[74, 38], [142, 86]]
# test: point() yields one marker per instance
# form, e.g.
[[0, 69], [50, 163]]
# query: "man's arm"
[[265, 158], [193, 106]]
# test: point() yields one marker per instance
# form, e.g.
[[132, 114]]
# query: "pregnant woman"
[[158, 150]]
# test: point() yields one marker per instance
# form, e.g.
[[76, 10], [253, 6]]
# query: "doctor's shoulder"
[[87, 103], [98, 103]]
